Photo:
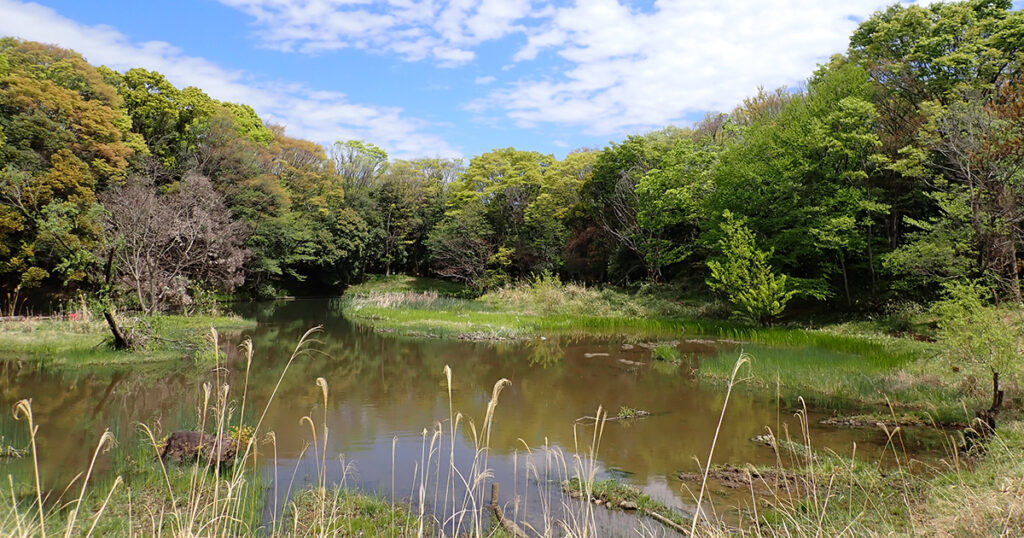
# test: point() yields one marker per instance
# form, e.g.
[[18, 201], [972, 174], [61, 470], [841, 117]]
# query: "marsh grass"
[[807, 493], [67, 342], [146, 496], [378, 284]]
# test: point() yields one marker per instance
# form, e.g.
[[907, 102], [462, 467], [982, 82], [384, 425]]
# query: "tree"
[[360, 163], [744, 274], [165, 244], [968, 150], [64, 139], [611, 193], [804, 180], [460, 248], [410, 200], [670, 201], [973, 334], [170, 120], [508, 184], [915, 54]]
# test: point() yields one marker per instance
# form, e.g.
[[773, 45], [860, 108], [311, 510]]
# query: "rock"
[[185, 446], [592, 355], [764, 439], [626, 505], [631, 363], [627, 347]]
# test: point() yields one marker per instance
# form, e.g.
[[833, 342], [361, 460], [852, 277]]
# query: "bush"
[[745, 275]]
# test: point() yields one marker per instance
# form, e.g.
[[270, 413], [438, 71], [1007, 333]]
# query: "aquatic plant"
[[665, 352]]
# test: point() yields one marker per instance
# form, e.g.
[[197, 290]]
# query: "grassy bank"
[[821, 493], [808, 493], [422, 307], [853, 367], [87, 342]]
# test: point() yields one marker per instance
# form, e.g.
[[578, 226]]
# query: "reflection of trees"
[[74, 406], [543, 353], [382, 387]]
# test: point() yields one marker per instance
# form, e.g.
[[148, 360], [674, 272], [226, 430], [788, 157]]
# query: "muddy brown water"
[[384, 391]]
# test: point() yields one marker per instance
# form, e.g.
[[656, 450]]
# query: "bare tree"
[[963, 137], [165, 243], [459, 247]]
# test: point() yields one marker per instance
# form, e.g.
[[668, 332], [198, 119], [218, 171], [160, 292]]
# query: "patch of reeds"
[[807, 492], [152, 497]]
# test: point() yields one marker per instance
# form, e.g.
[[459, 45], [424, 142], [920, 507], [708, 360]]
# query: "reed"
[[149, 497], [807, 493]]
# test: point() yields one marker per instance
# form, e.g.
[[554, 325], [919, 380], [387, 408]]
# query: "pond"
[[387, 395]]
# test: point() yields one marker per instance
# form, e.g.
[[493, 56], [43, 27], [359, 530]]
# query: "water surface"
[[385, 391]]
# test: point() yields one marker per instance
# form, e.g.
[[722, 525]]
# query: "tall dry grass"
[[807, 493], [205, 499]]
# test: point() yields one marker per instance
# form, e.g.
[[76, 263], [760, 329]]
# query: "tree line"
[[897, 168]]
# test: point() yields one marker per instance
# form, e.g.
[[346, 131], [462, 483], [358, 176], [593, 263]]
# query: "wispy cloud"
[[484, 80], [628, 69], [413, 29], [321, 116], [621, 67]]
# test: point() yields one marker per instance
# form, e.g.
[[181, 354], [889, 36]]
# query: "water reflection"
[[385, 391]]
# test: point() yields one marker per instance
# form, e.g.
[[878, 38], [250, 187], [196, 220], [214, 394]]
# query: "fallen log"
[[499, 514]]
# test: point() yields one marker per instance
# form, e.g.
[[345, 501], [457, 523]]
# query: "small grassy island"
[[80, 341]]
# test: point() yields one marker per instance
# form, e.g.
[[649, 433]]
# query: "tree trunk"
[[120, 341], [846, 280]]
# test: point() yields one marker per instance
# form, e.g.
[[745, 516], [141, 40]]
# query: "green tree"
[[977, 336], [460, 246], [169, 119], [507, 183], [64, 139], [804, 177], [612, 198], [745, 275], [670, 201]]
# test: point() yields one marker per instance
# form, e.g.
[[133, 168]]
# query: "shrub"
[[746, 276]]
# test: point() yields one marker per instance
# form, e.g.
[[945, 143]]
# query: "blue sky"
[[458, 77]]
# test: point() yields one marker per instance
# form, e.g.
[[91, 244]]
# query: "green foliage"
[[666, 353], [973, 334], [896, 169], [802, 181], [671, 201], [745, 274]]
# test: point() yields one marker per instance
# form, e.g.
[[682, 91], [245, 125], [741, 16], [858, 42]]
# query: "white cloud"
[[321, 116], [413, 29], [484, 80], [629, 70], [623, 68]]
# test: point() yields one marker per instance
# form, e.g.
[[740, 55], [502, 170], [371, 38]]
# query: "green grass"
[[87, 343], [666, 353], [344, 512], [844, 367], [406, 283], [612, 493]]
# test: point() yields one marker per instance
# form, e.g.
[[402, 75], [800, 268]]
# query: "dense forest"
[[898, 167]]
